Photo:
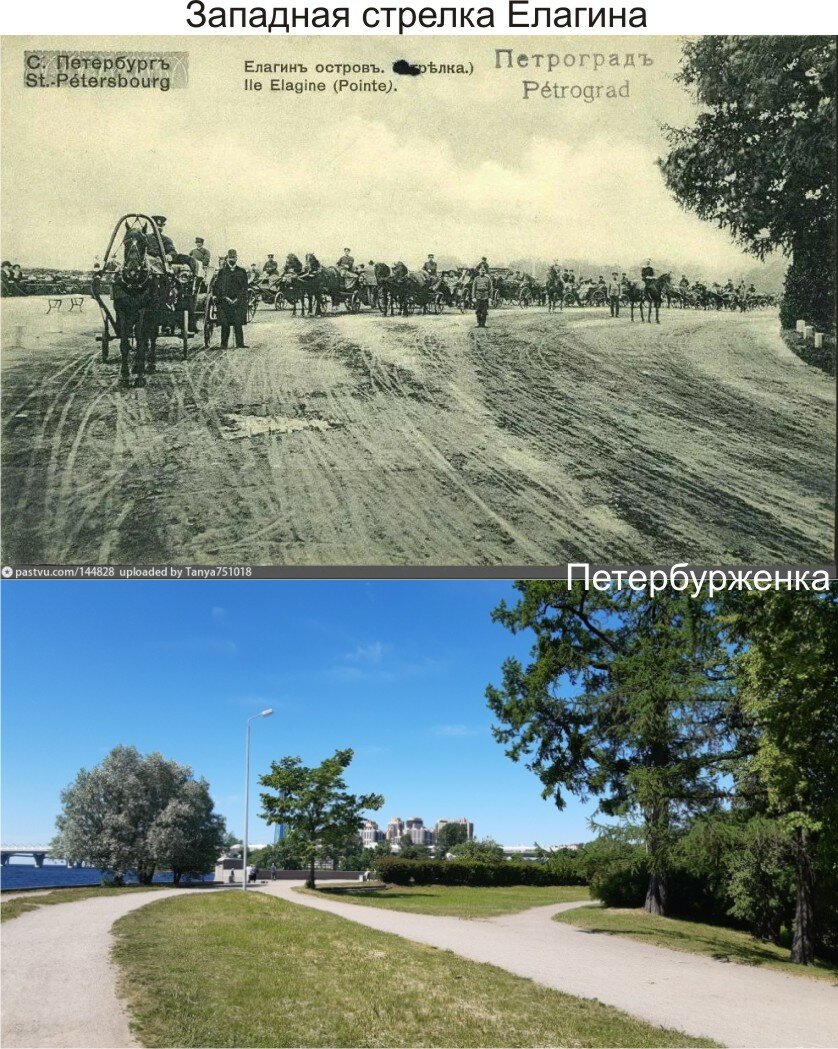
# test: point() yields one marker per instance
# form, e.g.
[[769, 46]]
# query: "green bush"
[[617, 872], [397, 871], [567, 866]]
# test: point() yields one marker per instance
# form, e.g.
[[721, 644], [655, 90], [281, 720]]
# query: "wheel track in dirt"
[[546, 438]]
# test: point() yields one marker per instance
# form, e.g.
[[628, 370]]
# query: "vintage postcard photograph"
[[430, 302]]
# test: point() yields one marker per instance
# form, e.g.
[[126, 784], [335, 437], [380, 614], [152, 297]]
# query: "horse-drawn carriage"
[[151, 294]]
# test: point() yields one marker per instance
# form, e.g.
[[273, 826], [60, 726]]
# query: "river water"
[[54, 875]]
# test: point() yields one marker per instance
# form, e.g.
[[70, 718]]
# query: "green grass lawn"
[[455, 900], [230, 969], [14, 906], [716, 941]]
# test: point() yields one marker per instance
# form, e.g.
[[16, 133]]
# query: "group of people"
[[234, 284], [12, 277]]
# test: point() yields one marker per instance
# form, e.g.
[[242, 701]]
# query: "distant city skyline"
[[394, 669]]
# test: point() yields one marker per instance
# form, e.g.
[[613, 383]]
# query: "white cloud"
[[455, 731], [369, 653]]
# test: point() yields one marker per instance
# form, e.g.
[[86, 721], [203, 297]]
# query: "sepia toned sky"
[[461, 166]]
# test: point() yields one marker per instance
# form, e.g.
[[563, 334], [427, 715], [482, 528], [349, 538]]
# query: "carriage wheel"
[[106, 338], [279, 301], [184, 333], [353, 303], [252, 306]]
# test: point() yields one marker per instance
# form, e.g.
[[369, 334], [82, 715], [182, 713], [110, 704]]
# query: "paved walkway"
[[58, 983], [734, 1004]]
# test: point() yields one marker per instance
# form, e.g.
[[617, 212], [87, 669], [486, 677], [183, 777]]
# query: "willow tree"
[[627, 698]]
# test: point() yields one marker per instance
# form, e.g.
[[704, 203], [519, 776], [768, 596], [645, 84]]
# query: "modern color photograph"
[[428, 813]]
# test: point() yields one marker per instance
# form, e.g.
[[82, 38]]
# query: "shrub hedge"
[[465, 872]]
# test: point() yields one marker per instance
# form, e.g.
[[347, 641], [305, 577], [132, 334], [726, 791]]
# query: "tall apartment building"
[[370, 834], [395, 829], [415, 829], [418, 833]]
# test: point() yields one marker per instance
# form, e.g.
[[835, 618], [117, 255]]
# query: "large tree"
[[628, 699], [187, 837], [759, 160], [117, 815], [788, 679], [449, 835], [315, 806]]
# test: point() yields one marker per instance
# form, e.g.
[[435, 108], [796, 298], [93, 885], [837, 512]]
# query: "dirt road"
[[362, 440], [732, 1004], [59, 984]]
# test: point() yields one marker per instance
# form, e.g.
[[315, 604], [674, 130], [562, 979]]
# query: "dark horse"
[[139, 293], [303, 286], [651, 294], [555, 291]]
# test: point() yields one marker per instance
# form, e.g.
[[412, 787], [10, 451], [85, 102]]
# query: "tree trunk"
[[656, 895], [145, 877], [803, 940], [310, 879], [176, 876]]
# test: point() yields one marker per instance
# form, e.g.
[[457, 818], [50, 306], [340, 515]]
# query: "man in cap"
[[231, 298], [271, 267], [647, 273], [481, 294], [615, 290], [346, 261], [429, 266], [168, 244], [200, 253]]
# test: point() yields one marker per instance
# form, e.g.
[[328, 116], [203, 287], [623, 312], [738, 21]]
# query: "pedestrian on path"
[[481, 292]]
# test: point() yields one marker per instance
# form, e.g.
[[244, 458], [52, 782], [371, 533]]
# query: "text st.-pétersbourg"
[[521, 14]]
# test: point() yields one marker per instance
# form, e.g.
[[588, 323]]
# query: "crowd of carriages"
[[510, 287], [16, 281]]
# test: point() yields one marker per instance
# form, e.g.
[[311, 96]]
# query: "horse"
[[384, 298], [139, 295], [652, 294], [308, 287], [413, 288], [555, 291]]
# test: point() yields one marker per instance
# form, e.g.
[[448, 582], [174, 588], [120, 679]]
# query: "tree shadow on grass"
[[378, 894], [682, 935]]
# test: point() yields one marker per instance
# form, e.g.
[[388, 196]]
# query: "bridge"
[[38, 853]]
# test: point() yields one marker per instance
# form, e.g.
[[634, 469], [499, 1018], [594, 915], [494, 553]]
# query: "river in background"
[[55, 875]]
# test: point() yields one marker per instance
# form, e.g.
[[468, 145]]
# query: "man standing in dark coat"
[[231, 297]]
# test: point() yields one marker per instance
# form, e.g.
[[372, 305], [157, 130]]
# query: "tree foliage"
[[316, 807], [622, 701], [137, 813], [449, 835], [760, 159], [487, 849], [788, 680]]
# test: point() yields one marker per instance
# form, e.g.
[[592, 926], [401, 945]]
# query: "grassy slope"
[[459, 901], [697, 938], [234, 970], [14, 906]]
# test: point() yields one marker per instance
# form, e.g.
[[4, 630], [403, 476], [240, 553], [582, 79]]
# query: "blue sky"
[[394, 669]]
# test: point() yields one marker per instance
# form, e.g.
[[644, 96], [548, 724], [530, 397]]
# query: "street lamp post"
[[264, 714]]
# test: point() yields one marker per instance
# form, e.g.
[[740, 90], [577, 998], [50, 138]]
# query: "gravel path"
[[58, 983], [733, 1004]]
